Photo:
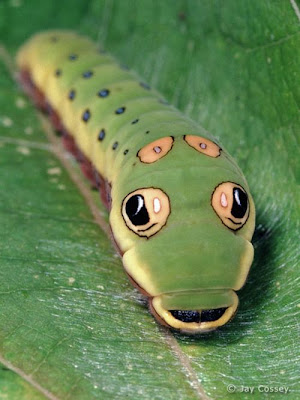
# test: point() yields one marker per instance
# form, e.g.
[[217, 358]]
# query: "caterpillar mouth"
[[193, 321], [198, 316]]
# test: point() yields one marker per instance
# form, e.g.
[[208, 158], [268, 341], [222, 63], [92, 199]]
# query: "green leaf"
[[71, 325], [13, 386]]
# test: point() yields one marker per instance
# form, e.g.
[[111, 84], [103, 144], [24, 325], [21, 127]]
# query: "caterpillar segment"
[[181, 212]]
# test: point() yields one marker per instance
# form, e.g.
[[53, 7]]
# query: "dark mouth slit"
[[198, 316]]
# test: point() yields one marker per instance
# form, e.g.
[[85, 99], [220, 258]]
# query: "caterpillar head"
[[185, 232]]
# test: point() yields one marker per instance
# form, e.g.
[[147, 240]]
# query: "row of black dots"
[[119, 111], [101, 137], [86, 74], [54, 39], [102, 93], [72, 57], [87, 115]]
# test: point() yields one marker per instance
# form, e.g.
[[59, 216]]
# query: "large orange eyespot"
[[231, 204], [156, 150], [145, 211], [203, 145]]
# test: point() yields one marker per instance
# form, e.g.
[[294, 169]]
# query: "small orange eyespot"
[[203, 145], [156, 150]]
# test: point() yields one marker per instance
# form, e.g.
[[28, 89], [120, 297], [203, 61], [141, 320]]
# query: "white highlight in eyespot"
[[237, 198], [140, 205], [156, 205], [157, 149], [224, 202], [203, 146]]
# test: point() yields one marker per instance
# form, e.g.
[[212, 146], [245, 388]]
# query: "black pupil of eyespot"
[[136, 210], [240, 203]]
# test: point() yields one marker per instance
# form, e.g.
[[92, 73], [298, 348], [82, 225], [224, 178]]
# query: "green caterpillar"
[[180, 208]]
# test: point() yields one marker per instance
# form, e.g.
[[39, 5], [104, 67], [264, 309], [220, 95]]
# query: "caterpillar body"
[[180, 208]]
